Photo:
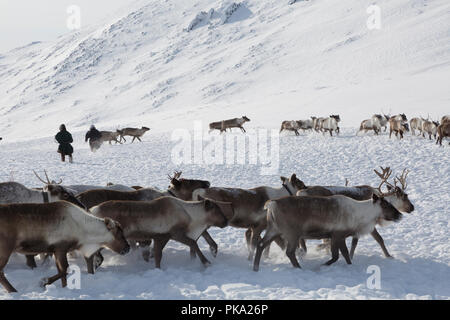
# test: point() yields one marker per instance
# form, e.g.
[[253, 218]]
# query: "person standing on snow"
[[64, 138], [94, 137]]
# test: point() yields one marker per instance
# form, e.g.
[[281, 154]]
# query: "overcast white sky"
[[24, 21]]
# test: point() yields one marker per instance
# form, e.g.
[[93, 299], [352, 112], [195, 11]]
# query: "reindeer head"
[[57, 192], [145, 128], [218, 212], [118, 243], [246, 119], [396, 195], [293, 184], [336, 117], [388, 211], [183, 188], [403, 117]]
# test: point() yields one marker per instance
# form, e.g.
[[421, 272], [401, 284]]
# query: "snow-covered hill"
[[166, 63]]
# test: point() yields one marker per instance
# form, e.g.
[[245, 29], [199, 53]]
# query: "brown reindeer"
[[108, 136], [291, 126], [443, 131], [397, 126], [167, 218], [54, 228], [248, 205], [335, 217], [430, 127], [132, 132], [395, 195], [228, 124]]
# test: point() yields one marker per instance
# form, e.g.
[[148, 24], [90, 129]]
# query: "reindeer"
[[445, 119], [416, 124], [167, 218], [110, 136], [443, 131], [397, 126], [331, 124], [430, 127], [383, 119], [395, 195], [308, 124], [370, 124], [291, 126], [14, 192], [133, 132], [179, 188], [335, 217], [248, 205], [54, 228], [318, 122], [228, 124]]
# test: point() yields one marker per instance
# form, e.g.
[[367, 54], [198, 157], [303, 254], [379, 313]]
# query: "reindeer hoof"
[[97, 261], [213, 251], [43, 282]]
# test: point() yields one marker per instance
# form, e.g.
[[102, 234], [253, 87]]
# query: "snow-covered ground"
[[165, 65], [420, 242]]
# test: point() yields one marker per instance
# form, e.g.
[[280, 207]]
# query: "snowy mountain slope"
[[269, 60], [419, 242]]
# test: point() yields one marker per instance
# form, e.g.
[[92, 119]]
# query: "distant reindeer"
[[228, 124], [397, 126], [331, 124], [308, 124], [416, 124], [443, 131], [110, 136], [430, 127], [318, 123], [370, 124], [133, 132], [384, 120], [291, 126]]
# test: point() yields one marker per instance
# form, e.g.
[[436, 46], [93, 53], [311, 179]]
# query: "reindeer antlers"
[[177, 174], [384, 177], [402, 179], [387, 173], [48, 179]]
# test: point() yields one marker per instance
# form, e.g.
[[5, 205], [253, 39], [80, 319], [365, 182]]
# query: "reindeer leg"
[[344, 250], [262, 244], [160, 243], [211, 242], [303, 245], [353, 248], [139, 139], [181, 237], [6, 253], [380, 241], [61, 265], [334, 252], [30, 261], [256, 236], [290, 252]]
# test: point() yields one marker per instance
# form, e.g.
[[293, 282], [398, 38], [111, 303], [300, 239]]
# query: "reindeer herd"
[[399, 125], [56, 220]]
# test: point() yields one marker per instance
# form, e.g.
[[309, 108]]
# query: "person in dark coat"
[[64, 138], [94, 137]]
